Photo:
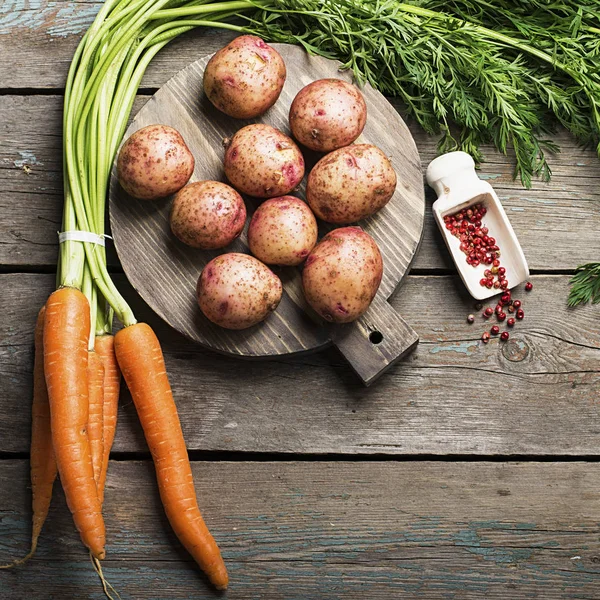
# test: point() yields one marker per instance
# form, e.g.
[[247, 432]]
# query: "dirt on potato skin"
[[282, 231], [328, 114], [154, 162], [237, 291], [245, 78], [342, 274], [350, 184], [263, 162], [207, 215]]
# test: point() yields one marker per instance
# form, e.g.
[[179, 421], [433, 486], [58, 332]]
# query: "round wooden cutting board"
[[164, 271]]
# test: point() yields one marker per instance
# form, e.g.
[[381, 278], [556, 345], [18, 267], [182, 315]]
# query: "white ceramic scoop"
[[455, 181]]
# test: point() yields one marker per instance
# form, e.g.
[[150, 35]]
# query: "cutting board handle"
[[376, 341]]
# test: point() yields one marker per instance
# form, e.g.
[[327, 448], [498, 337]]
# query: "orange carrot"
[[43, 464], [105, 349], [141, 360], [95, 371], [66, 334]]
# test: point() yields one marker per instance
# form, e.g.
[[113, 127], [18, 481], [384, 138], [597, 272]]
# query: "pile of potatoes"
[[341, 274]]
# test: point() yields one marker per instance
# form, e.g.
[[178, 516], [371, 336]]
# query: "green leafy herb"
[[499, 72], [476, 71], [585, 285]]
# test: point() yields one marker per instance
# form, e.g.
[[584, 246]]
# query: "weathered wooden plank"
[[329, 530], [38, 39], [556, 223], [536, 394]]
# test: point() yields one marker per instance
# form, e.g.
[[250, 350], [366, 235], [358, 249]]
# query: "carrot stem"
[[89, 291], [71, 254]]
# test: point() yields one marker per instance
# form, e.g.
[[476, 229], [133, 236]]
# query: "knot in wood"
[[515, 350]]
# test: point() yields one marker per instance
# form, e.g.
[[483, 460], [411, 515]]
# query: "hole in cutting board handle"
[[376, 337]]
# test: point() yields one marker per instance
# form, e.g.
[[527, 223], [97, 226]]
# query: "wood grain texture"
[[556, 223], [329, 530], [309, 530], [376, 342], [38, 39], [164, 271], [537, 394]]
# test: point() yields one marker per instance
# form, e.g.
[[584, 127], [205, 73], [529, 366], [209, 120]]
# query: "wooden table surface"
[[467, 471]]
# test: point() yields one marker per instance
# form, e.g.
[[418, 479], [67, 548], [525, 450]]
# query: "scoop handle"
[[376, 341]]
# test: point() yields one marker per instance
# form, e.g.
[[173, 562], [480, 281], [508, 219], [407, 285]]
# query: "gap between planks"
[[282, 457], [419, 272]]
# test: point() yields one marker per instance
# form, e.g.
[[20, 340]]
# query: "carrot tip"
[[105, 584], [19, 561]]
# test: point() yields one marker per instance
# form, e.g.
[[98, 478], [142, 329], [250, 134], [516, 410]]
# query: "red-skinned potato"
[[328, 114], [263, 162], [282, 231], [237, 291], [154, 162], [342, 274], [350, 184], [245, 78], [207, 215]]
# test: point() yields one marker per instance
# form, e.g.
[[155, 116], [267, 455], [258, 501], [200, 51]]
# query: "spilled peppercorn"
[[505, 303]]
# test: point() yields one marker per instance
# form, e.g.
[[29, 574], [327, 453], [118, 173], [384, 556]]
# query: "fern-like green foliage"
[[501, 72], [585, 285]]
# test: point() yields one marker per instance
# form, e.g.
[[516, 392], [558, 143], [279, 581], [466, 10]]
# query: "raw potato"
[[154, 163], [328, 114], [342, 274], [282, 231], [237, 291], [350, 184], [263, 162], [244, 79], [207, 214]]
